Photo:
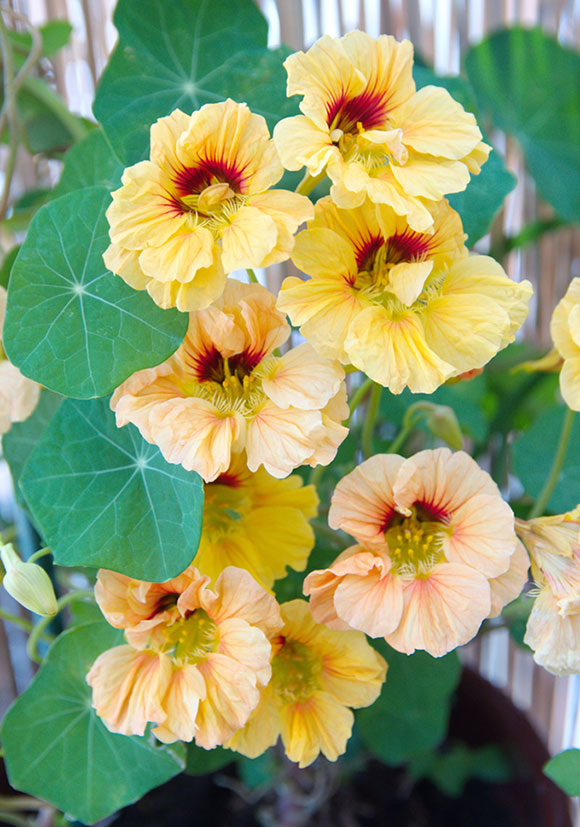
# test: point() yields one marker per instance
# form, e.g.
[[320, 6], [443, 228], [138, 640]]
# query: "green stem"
[[38, 630], [400, 439], [316, 475], [527, 235], [42, 92], [17, 621], [20, 802], [17, 821], [546, 493], [252, 276], [358, 397], [10, 114], [370, 419], [309, 182], [42, 552]]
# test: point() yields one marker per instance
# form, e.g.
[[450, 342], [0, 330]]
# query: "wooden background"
[[441, 30]]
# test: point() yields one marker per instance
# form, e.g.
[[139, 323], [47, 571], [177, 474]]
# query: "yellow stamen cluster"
[[296, 671], [415, 546], [192, 638]]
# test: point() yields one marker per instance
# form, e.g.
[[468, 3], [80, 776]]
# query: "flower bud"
[[28, 583], [443, 424]]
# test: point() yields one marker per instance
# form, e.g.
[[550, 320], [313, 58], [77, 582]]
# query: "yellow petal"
[[248, 239], [179, 258], [406, 280], [318, 725]]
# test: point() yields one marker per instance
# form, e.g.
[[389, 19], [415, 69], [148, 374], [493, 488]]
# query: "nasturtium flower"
[[565, 331], [406, 308], [224, 391], [195, 656], [553, 629], [318, 675], [364, 123], [18, 395], [202, 206], [256, 522], [434, 533]]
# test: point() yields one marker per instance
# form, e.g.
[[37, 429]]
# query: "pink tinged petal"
[[248, 239], [238, 595], [442, 611], [482, 535], [302, 379], [247, 645], [281, 440], [372, 604], [129, 687], [554, 639], [318, 725], [363, 501], [181, 702], [180, 257], [435, 124], [509, 585], [231, 697]]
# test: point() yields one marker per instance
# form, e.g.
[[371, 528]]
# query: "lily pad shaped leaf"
[[71, 325], [57, 748], [102, 496]]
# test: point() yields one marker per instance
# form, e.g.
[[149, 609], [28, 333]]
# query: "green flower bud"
[[443, 424], [28, 583]]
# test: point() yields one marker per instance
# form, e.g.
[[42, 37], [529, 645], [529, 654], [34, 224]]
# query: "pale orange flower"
[[409, 309], [18, 395], [202, 206], [364, 123], [433, 533], [553, 629], [224, 392], [195, 656], [256, 522], [318, 675]]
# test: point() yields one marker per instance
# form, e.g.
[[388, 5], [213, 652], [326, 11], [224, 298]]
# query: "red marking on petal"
[[367, 250], [209, 365], [194, 179], [407, 246], [430, 512], [370, 109]]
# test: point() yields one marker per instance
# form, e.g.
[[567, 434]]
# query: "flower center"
[[229, 383], [223, 507], [377, 256], [296, 671], [191, 639], [415, 545], [368, 110]]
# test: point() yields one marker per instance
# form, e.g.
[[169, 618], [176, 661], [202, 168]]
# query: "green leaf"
[[70, 324], [564, 770], [22, 438], [529, 86], [478, 204], [57, 748], [7, 263], [102, 496], [412, 711], [202, 761], [451, 770], [533, 455], [90, 162], [177, 55], [54, 35]]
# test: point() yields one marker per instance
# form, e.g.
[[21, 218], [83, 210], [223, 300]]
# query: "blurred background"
[[441, 31]]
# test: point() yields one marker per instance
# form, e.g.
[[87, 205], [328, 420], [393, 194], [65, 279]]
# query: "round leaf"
[[564, 770], [71, 325], [91, 162], [102, 496]]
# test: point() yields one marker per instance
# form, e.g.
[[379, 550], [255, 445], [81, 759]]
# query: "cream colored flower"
[[364, 123], [317, 675], [202, 206], [224, 391], [565, 331], [18, 395], [409, 309], [195, 657], [434, 533]]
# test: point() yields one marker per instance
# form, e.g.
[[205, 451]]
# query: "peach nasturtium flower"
[[202, 206], [406, 308], [18, 395], [195, 656], [317, 674], [256, 522], [553, 630], [434, 534], [565, 331], [224, 392], [364, 123]]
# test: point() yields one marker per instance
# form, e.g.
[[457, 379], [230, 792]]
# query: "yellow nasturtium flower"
[[318, 675], [364, 123], [256, 522], [202, 206], [565, 331], [409, 309]]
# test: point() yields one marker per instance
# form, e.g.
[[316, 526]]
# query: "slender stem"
[[42, 552], [370, 419], [252, 276], [401, 438], [11, 114], [316, 475], [309, 182], [20, 802], [17, 821], [38, 630], [17, 621], [358, 397], [546, 493], [527, 235]]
